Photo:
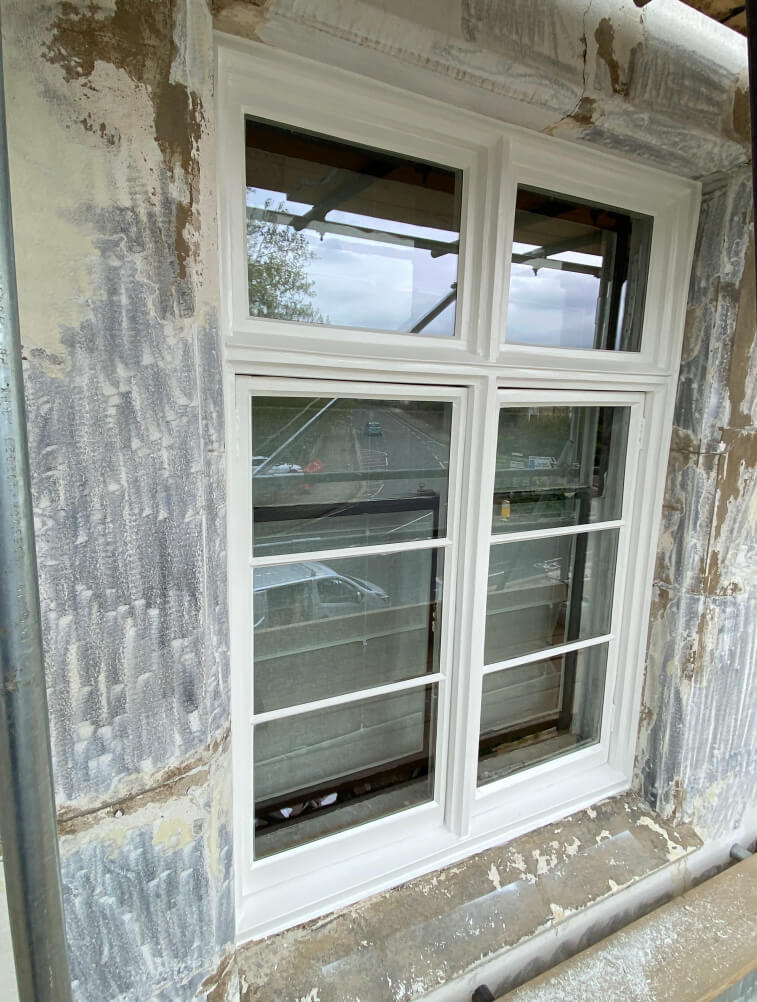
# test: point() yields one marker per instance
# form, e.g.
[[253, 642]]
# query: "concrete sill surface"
[[699, 947], [427, 934]]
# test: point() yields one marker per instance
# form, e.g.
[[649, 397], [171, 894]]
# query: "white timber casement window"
[[451, 349]]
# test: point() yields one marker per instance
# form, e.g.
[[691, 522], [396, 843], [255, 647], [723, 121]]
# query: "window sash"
[[245, 391]]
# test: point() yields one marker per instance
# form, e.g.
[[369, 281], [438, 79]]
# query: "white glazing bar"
[[349, 697], [546, 654], [375, 550], [560, 530]]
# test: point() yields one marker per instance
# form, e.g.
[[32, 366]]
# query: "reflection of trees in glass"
[[277, 270]]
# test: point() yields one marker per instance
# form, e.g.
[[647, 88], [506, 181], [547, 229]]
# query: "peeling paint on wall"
[[698, 738], [112, 157], [138, 38], [648, 85], [127, 449]]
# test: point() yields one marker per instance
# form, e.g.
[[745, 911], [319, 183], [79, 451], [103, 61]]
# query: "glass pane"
[[579, 273], [539, 711], [345, 235], [547, 592], [324, 629], [559, 466], [333, 472], [322, 772]]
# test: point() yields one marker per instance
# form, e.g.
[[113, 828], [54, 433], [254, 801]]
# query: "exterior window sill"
[[399, 945], [675, 952]]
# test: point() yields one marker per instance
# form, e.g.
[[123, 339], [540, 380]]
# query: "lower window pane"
[[535, 712], [547, 592], [321, 772], [327, 628]]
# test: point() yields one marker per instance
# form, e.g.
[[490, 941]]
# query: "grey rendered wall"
[[698, 740], [112, 170], [111, 130]]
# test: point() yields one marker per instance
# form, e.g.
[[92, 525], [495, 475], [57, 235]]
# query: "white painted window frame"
[[479, 371]]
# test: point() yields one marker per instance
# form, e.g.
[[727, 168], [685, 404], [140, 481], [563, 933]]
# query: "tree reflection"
[[277, 270]]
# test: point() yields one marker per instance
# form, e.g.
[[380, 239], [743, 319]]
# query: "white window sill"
[[406, 942]]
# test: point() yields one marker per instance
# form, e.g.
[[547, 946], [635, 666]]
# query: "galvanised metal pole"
[[751, 38], [27, 804]]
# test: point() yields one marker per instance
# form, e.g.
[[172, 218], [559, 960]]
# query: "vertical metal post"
[[27, 805], [751, 37]]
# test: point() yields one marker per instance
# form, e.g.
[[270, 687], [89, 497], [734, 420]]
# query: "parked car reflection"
[[310, 590]]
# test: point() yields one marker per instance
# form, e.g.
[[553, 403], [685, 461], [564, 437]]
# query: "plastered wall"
[[113, 166], [698, 739]]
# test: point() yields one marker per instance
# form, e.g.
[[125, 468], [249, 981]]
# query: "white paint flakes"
[[312, 996], [558, 913], [493, 875], [603, 836], [571, 848], [674, 849], [544, 863], [518, 861], [614, 886], [428, 885]]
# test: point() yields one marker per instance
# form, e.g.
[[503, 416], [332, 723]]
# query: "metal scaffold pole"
[[27, 805], [751, 31]]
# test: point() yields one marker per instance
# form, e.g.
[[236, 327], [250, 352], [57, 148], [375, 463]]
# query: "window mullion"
[[481, 447], [499, 202]]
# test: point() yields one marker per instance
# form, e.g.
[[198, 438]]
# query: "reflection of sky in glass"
[[359, 282], [552, 308]]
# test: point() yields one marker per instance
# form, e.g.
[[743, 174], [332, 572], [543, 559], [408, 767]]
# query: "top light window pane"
[[343, 235], [579, 274]]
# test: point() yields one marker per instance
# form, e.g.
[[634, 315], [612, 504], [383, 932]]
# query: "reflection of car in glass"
[[309, 590], [275, 469], [373, 428], [274, 483]]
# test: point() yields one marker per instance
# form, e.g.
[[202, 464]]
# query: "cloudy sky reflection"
[[359, 282], [552, 308]]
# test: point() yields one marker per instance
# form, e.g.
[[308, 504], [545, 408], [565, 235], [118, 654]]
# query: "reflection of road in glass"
[[404, 453], [373, 461], [407, 445]]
